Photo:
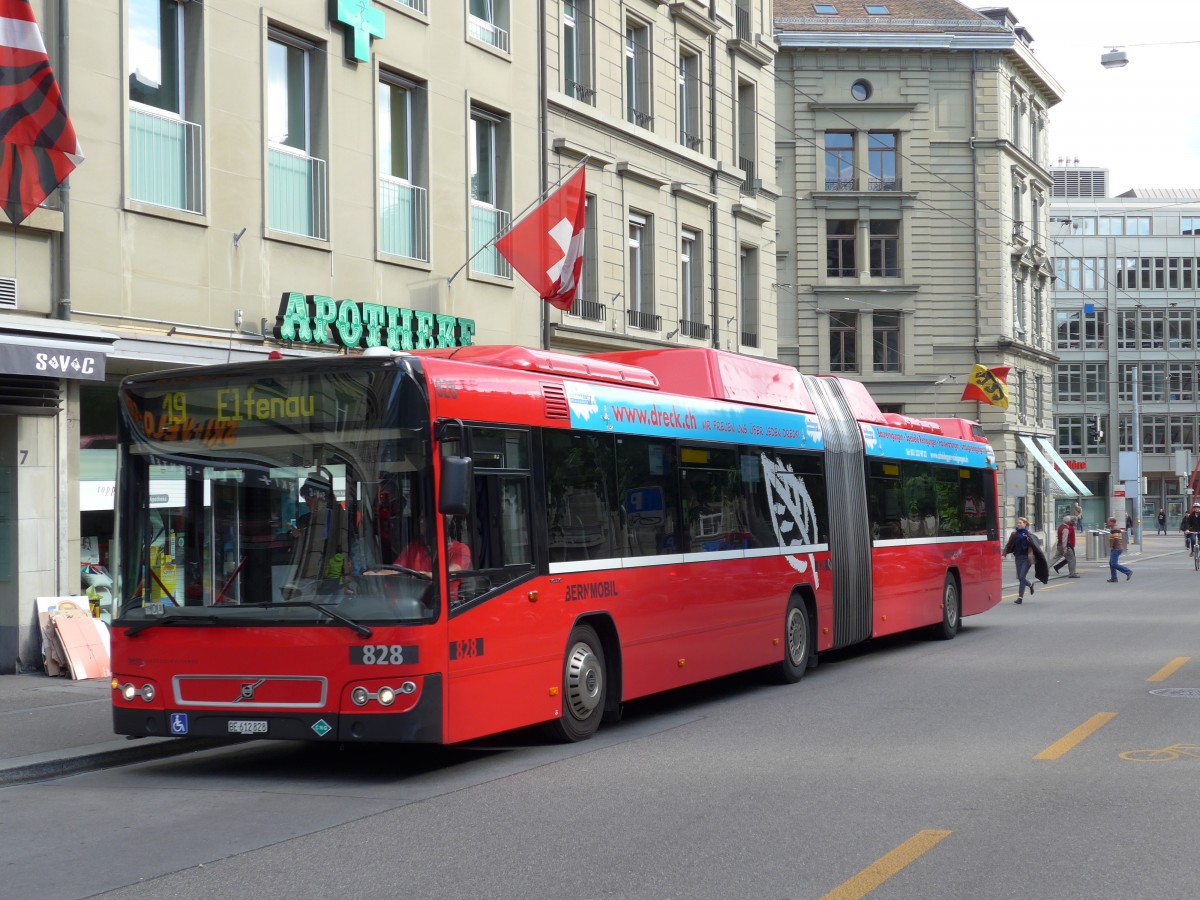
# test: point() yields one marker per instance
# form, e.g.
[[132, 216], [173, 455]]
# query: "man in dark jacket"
[[1190, 526]]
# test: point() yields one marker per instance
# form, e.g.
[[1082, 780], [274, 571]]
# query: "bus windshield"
[[276, 495]]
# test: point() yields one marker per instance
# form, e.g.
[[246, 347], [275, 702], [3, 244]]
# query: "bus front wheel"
[[584, 686]]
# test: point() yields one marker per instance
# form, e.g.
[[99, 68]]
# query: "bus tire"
[[585, 685], [797, 642], [951, 610]]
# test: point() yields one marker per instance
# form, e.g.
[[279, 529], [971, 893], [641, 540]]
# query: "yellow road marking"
[[1169, 669], [1065, 743], [888, 865]]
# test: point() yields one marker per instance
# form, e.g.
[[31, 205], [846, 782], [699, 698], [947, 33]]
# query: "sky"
[[1141, 122]]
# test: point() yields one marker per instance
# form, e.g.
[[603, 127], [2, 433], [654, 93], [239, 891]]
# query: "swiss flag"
[[546, 247], [38, 147]]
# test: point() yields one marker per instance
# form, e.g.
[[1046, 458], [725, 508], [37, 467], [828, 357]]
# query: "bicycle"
[[1193, 543], [1166, 754]]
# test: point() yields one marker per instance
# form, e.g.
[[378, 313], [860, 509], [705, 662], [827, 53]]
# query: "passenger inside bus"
[[319, 554], [416, 555]]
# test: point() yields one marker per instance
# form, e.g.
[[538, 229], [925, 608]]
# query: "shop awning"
[[1054, 465], [1063, 468]]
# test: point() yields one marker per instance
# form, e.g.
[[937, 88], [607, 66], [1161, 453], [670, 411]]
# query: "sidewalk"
[[55, 726], [1153, 546]]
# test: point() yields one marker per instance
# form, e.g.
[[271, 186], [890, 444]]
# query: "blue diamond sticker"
[[321, 727]]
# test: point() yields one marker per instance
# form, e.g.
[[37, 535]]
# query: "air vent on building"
[[1072, 182], [24, 395], [556, 401], [8, 293]]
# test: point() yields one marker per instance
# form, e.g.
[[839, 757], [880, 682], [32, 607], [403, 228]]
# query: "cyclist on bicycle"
[[1190, 526]]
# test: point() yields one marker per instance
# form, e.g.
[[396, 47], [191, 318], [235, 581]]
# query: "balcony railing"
[[403, 219], [1019, 232], [646, 321], [841, 271], [166, 160], [640, 119], [486, 223], [297, 192], [697, 330], [581, 92], [489, 33], [591, 310], [839, 184], [885, 271], [749, 338], [883, 184], [418, 5], [742, 19], [692, 141]]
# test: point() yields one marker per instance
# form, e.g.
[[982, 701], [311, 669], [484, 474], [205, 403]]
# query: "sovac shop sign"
[[52, 362]]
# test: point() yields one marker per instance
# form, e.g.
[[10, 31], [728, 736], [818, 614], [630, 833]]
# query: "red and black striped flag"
[[38, 147]]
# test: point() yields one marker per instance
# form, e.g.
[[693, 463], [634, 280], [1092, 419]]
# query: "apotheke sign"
[[323, 321]]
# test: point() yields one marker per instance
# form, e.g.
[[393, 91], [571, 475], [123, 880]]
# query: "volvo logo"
[[248, 690]]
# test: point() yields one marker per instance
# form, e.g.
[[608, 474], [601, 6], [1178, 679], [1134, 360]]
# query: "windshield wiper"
[[138, 627], [358, 628]]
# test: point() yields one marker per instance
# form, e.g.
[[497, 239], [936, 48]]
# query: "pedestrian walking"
[[1078, 516], [1065, 548], [1115, 543], [1026, 552], [1162, 521]]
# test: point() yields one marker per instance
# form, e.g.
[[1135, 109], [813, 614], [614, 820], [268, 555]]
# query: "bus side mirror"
[[454, 496]]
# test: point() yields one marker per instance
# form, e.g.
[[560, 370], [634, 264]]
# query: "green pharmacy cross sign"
[[362, 22]]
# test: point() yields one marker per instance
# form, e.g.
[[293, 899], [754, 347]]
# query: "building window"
[[1139, 225], [885, 248], [1111, 225], [641, 275], [1019, 307], [1070, 435], [1181, 381], [749, 286], [1069, 382], [690, 129], [587, 303], [1082, 225], [843, 341], [1035, 217], [691, 281], [1153, 378], [1095, 383], [839, 248], [1154, 434], [1095, 330], [489, 23], [1066, 330], [1018, 213], [166, 151], [1180, 329], [403, 202], [577, 50], [488, 155], [839, 161], [885, 344], [1038, 315], [1182, 432], [297, 186], [1018, 108], [1039, 399], [1022, 399], [1152, 326], [747, 134], [881, 161], [741, 15], [1189, 225], [637, 75]]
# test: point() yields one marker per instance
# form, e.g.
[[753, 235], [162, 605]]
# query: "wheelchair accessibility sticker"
[[179, 723]]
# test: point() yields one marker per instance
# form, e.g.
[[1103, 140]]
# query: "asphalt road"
[[987, 767]]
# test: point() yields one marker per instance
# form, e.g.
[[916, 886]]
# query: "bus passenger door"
[[502, 659]]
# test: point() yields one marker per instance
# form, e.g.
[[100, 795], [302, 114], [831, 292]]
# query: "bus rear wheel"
[[796, 643], [951, 610], [585, 686]]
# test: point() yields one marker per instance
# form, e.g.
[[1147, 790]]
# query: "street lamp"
[[1114, 59]]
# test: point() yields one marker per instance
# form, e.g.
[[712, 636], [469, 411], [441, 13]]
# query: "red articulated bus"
[[441, 545]]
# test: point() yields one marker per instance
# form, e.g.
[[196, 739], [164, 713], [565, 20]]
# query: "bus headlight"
[[147, 693], [359, 696], [386, 696], [128, 691]]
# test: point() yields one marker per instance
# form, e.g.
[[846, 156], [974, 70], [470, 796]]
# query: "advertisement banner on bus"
[[896, 444], [598, 408]]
